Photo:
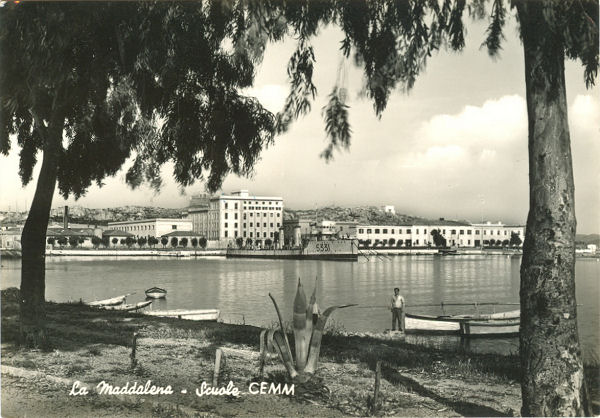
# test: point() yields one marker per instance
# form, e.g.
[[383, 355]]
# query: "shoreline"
[[90, 345], [184, 253]]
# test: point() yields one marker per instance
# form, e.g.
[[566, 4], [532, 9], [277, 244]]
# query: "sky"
[[455, 146]]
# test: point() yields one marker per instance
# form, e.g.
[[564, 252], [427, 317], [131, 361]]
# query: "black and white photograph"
[[299, 208]]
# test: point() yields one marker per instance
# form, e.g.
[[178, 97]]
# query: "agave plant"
[[307, 338]]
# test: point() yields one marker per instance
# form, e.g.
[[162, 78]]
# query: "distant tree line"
[[75, 241]]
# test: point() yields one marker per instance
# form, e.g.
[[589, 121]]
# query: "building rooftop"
[[149, 220], [181, 234], [61, 232], [116, 233], [244, 194]]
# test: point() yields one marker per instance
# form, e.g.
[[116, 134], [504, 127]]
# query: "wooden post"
[[218, 357], [263, 353], [133, 350], [376, 391]]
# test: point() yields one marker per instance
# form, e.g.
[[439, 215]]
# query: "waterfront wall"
[[133, 253], [265, 253]]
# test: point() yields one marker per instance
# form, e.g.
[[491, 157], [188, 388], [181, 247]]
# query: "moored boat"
[[129, 307], [117, 300], [156, 293], [192, 314], [485, 324]]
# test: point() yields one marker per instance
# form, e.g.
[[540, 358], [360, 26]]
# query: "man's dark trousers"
[[397, 318]]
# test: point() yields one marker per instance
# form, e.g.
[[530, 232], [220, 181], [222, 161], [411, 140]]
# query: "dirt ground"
[[91, 346]]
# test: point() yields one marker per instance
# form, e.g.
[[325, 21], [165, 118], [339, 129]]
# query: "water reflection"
[[241, 286]]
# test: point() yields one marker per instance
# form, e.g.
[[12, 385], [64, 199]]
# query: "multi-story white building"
[[485, 232], [382, 234], [238, 215], [455, 233], [152, 227]]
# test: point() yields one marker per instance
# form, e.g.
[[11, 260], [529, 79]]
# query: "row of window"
[[235, 215], [139, 228], [235, 225], [443, 231], [235, 205], [259, 208], [251, 235], [408, 242], [385, 231]]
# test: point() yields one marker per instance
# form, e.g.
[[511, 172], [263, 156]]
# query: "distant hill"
[[367, 215], [588, 239], [79, 214]]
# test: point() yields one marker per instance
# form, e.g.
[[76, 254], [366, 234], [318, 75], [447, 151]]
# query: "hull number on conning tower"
[[322, 248]]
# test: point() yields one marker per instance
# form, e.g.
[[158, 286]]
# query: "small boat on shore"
[[129, 307], [117, 300], [448, 251], [192, 314], [156, 293], [500, 323]]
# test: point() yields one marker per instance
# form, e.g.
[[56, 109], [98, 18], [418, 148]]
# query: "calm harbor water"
[[240, 287]]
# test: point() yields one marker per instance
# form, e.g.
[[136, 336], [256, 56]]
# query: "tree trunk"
[[553, 381], [33, 242]]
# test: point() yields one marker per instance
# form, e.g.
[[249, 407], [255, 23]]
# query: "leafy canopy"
[[154, 81], [162, 81]]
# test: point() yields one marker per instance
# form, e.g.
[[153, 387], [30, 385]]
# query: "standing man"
[[397, 308]]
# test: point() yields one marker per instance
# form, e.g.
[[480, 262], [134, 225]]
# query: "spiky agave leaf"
[[299, 324], [276, 341], [309, 313], [287, 343], [317, 336]]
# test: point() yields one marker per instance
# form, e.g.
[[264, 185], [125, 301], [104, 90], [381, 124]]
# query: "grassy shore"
[[91, 346]]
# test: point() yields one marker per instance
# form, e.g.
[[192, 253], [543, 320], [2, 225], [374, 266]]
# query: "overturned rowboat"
[[117, 300], [191, 314], [156, 293]]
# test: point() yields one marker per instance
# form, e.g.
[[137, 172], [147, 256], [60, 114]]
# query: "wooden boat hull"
[[130, 307], [191, 314], [419, 324], [488, 324], [118, 300], [156, 293]]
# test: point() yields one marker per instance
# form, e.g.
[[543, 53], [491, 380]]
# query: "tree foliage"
[[515, 239], [96, 241], [154, 82], [202, 242], [438, 239]]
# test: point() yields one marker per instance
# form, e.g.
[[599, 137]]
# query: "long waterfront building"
[[152, 227], [456, 233]]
